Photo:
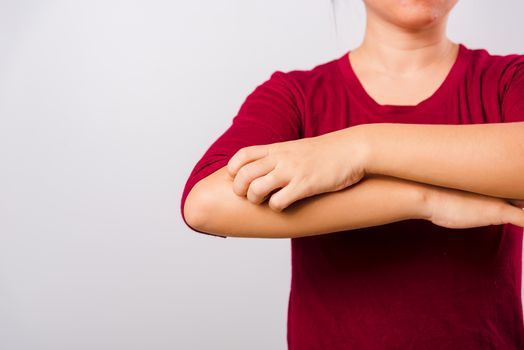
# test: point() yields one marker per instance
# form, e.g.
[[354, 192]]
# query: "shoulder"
[[312, 85], [483, 59], [492, 68], [316, 75]]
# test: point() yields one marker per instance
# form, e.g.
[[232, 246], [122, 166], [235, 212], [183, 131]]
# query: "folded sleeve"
[[270, 113], [513, 95]]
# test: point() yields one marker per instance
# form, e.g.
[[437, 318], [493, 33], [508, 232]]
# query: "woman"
[[396, 170]]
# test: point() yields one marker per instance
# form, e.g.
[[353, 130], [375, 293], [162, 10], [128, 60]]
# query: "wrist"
[[425, 199], [360, 146]]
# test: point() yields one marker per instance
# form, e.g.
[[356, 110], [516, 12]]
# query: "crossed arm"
[[405, 165], [482, 158]]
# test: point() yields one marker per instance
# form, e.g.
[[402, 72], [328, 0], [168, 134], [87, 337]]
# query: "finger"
[[250, 172], [515, 215], [292, 192], [261, 188], [245, 155]]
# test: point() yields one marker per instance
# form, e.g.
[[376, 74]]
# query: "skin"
[[343, 180], [443, 155], [376, 200]]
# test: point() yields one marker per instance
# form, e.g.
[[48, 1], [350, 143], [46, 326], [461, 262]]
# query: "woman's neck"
[[403, 51]]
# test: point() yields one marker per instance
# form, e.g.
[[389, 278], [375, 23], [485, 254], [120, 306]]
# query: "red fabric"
[[404, 285]]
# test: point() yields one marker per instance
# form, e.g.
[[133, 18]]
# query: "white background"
[[105, 107]]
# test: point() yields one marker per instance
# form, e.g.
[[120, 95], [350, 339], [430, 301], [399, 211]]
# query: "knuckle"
[[242, 153], [243, 173], [256, 189], [307, 184], [271, 177], [279, 167]]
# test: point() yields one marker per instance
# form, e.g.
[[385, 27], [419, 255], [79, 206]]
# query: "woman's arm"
[[486, 158], [213, 207], [482, 158]]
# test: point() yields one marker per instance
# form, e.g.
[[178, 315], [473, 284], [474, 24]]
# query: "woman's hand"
[[461, 209], [301, 168]]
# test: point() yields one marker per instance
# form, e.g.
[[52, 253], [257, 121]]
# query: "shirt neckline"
[[356, 87]]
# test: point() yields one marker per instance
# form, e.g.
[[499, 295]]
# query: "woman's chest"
[[333, 109]]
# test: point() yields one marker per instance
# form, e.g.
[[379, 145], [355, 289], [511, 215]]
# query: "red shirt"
[[409, 284]]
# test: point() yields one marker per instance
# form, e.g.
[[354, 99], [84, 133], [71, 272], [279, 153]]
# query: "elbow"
[[194, 211], [206, 208]]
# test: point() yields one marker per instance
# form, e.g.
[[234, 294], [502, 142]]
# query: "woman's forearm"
[[375, 200], [482, 158]]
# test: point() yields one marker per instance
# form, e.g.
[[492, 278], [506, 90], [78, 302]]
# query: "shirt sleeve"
[[513, 95], [270, 113]]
